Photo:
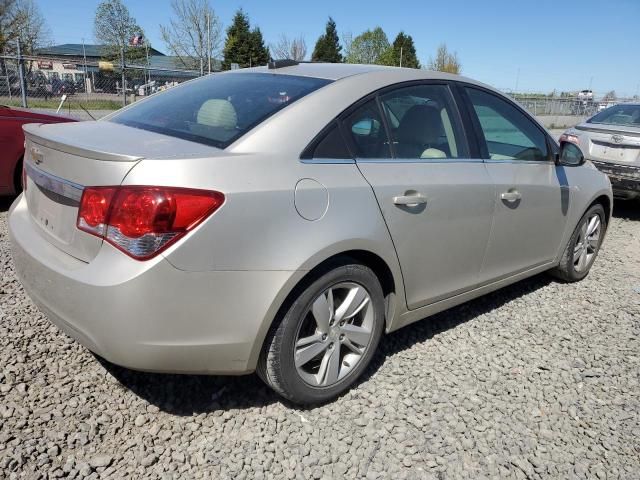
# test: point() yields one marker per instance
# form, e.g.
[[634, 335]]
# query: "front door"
[[531, 202], [437, 202]]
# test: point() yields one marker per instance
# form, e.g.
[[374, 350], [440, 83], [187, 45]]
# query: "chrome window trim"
[[328, 161], [51, 183], [525, 162], [419, 160]]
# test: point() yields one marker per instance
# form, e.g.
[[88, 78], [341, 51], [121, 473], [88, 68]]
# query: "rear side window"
[[331, 145], [509, 133], [218, 109]]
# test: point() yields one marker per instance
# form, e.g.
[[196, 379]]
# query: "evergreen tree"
[[403, 45], [328, 47], [244, 46], [259, 51]]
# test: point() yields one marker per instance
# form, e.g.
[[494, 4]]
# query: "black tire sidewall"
[[295, 387]]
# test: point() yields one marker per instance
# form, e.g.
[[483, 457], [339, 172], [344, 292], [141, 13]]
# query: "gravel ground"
[[538, 380]]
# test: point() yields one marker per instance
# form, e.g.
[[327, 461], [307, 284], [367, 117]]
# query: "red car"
[[12, 144]]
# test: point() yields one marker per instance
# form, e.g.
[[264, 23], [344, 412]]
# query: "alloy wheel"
[[587, 243], [334, 334]]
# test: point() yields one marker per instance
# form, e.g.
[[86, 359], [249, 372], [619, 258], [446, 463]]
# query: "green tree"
[[244, 46], [114, 27], [445, 61], [370, 47], [402, 53], [22, 19], [259, 51], [328, 47]]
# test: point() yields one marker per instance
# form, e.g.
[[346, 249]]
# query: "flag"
[[136, 40]]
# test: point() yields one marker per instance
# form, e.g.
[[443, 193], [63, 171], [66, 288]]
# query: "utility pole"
[[86, 75], [124, 80], [400, 57], [517, 81], [209, 40], [146, 46], [23, 83]]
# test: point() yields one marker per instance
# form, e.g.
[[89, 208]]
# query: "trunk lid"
[[61, 159], [612, 143]]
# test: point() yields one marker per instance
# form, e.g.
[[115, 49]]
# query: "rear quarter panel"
[[259, 229]]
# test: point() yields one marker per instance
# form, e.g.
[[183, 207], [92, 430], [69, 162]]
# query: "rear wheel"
[[327, 337], [583, 246]]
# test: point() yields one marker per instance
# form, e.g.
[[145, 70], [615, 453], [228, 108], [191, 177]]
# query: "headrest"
[[421, 125], [218, 113]]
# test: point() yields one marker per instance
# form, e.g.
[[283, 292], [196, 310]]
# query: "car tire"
[[281, 362], [17, 177], [582, 250]]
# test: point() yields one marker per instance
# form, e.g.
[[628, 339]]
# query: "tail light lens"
[[567, 137], [143, 221]]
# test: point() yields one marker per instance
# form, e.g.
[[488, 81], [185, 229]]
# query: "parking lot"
[[539, 380]]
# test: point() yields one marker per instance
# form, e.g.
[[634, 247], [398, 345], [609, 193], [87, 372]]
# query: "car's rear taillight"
[[568, 137], [142, 221]]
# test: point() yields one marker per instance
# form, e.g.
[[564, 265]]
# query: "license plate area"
[[614, 153]]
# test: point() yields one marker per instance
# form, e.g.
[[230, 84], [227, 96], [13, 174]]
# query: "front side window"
[[367, 132], [509, 133], [217, 109], [420, 119], [618, 115]]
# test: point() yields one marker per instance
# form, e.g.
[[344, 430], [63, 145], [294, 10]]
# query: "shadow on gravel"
[[627, 209], [5, 203], [426, 329], [196, 394]]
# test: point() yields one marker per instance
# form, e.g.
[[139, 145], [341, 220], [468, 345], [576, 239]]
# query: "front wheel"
[[327, 337], [583, 246]]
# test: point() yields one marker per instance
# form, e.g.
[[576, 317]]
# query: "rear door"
[[436, 200], [532, 199]]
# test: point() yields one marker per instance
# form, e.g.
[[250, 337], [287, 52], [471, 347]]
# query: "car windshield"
[[218, 109], [618, 115]]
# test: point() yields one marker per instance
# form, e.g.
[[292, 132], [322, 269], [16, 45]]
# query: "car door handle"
[[410, 200], [511, 196]]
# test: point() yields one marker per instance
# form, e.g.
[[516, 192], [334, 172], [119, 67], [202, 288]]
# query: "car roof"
[[337, 71]]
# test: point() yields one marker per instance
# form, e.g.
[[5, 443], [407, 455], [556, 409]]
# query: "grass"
[[69, 104]]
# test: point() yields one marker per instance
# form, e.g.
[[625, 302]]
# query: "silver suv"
[[282, 219]]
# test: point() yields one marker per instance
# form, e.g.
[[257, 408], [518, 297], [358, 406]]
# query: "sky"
[[531, 45]]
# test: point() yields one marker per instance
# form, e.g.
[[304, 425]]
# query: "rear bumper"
[[625, 179], [147, 315]]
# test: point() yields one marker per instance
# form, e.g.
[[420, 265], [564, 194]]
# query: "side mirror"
[[363, 128], [570, 155]]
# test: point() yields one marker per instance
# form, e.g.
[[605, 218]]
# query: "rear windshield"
[[218, 109], [618, 115]]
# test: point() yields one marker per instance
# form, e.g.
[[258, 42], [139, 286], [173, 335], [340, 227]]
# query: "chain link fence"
[[82, 89], [91, 89]]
